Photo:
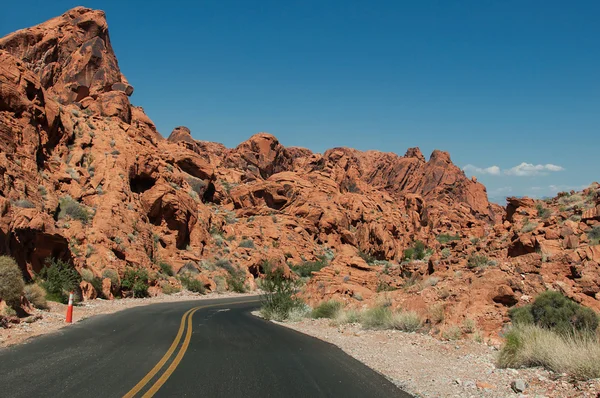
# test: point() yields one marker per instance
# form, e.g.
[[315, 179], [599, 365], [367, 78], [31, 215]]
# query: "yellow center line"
[[163, 360], [187, 316], [165, 376]]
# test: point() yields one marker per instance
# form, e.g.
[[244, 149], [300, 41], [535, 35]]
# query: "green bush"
[[36, 295], [24, 203], [166, 268], [135, 281], [278, 301], [306, 268], [556, 312], [416, 252], [113, 276], [192, 284], [169, 289], [327, 309], [71, 208], [594, 235], [445, 238], [11, 281], [59, 278]]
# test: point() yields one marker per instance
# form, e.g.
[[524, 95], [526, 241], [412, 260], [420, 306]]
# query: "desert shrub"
[[113, 276], [196, 184], [477, 261], [306, 268], [553, 311], [344, 317], [24, 203], [59, 278], [237, 281], [378, 317], [528, 227], [594, 235], [468, 325], [543, 212], [167, 288], [437, 313], [221, 285], [71, 208], [416, 252], [278, 301], [11, 281], [247, 243], [577, 355], [36, 295], [369, 259], [192, 284], [452, 333], [135, 281], [86, 274], [445, 238], [166, 268], [446, 253], [327, 309], [406, 321]]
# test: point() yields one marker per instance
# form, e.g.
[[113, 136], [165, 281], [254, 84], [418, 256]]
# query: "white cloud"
[[522, 170], [528, 169], [493, 170]]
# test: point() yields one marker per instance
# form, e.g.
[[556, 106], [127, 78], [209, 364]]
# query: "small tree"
[[136, 281], [278, 299], [59, 278]]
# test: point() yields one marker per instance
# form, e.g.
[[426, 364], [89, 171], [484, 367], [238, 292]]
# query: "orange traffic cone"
[[70, 309]]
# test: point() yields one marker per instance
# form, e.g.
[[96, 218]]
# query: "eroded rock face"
[[86, 177]]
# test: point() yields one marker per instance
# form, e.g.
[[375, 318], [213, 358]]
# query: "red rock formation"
[[86, 177]]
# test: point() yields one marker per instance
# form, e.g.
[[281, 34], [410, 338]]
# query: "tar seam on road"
[[187, 316]]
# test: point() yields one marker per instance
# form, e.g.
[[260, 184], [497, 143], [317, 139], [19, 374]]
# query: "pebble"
[[518, 385]]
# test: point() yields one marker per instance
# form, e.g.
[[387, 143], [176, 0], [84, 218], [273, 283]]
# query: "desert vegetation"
[[556, 333]]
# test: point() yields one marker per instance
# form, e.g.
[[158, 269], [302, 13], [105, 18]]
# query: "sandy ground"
[[427, 367], [54, 318]]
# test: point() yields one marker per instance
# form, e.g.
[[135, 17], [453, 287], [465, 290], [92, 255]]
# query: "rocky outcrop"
[[87, 178]]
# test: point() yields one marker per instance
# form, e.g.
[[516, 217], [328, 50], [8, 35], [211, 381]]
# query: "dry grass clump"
[[528, 345], [36, 295]]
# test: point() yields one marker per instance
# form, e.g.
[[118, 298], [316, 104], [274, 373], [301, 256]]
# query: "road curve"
[[211, 348]]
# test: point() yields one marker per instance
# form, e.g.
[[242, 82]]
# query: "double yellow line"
[[185, 319]]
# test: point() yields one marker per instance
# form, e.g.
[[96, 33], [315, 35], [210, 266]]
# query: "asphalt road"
[[211, 348]]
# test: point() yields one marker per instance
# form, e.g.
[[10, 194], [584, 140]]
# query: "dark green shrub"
[[71, 208], [416, 252], [59, 278], [306, 268], [135, 281], [166, 268], [11, 281], [445, 238], [278, 300], [192, 284], [327, 309], [556, 312]]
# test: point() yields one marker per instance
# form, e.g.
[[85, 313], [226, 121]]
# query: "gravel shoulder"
[[427, 367], [52, 319]]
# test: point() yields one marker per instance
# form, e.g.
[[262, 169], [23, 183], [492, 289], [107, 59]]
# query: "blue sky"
[[510, 88]]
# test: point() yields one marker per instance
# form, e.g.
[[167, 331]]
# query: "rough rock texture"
[[86, 177]]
